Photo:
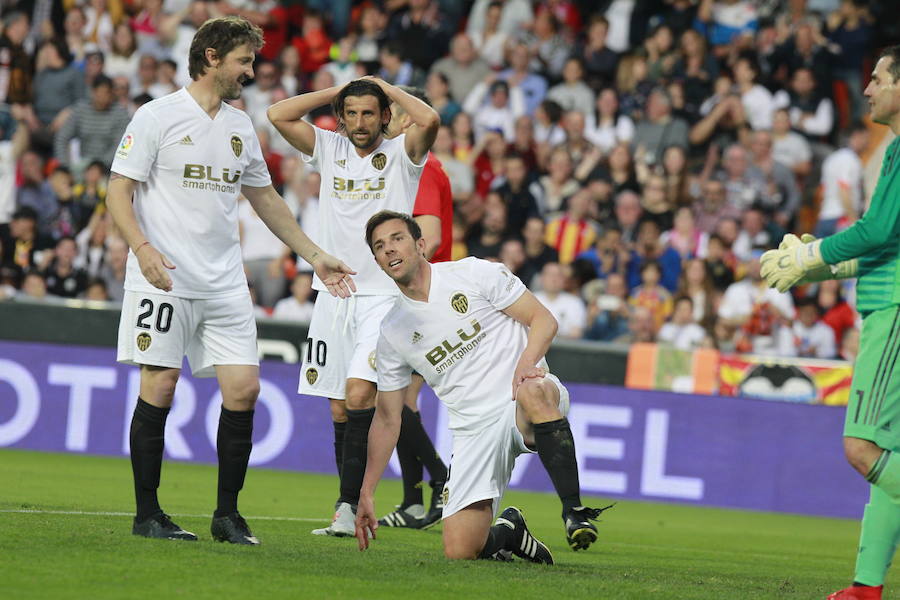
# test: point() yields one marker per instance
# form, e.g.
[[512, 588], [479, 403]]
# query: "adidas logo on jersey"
[[341, 163], [186, 141], [416, 337]]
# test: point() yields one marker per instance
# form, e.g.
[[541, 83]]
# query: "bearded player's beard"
[[366, 143], [229, 89]]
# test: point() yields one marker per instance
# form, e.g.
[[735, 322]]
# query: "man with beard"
[[176, 178], [362, 173]]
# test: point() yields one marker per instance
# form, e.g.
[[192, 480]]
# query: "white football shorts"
[[483, 462], [159, 330], [342, 338]]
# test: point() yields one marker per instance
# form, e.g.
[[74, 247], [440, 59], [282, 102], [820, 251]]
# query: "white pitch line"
[[33, 511]]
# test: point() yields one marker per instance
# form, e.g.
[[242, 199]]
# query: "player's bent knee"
[[338, 411], [360, 397], [360, 403], [533, 397], [459, 549], [455, 553]]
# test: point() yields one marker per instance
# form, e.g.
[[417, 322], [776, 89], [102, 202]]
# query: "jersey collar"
[[431, 290], [199, 109]]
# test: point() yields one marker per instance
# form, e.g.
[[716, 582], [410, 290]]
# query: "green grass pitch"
[[645, 550]]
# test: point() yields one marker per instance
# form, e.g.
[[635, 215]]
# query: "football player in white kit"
[[362, 173], [173, 193], [478, 337]]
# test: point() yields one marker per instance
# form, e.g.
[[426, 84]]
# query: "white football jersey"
[[353, 189], [460, 341], [190, 170]]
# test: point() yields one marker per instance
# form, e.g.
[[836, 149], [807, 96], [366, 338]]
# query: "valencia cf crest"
[[311, 376], [237, 145], [379, 160], [445, 494], [459, 303], [143, 341], [372, 360]]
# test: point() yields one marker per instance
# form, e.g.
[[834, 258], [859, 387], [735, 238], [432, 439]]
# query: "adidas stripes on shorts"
[[873, 411]]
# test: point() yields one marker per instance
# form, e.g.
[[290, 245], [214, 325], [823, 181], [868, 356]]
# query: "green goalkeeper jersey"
[[874, 240]]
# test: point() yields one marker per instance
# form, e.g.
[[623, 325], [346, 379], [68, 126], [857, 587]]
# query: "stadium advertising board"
[[638, 444]]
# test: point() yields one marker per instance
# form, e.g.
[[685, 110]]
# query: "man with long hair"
[[362, 173]]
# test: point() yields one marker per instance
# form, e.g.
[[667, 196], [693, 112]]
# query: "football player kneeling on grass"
[[478, 337]]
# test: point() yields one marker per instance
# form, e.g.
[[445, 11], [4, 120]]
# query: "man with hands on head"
[[478, 337], [362, 173], [176, 177]]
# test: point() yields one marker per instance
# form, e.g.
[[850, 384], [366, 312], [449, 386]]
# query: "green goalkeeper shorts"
[[873, 412]]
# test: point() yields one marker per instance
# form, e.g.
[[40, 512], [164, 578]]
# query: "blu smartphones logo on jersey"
[[353, 185], [202, 177], [358, 189], [445, 355]]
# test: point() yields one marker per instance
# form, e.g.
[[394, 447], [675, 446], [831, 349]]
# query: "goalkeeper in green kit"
[[870, 251]]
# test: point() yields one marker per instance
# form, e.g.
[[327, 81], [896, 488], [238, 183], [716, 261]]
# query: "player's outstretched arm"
[[152, 262], [287, 117], [383, 436], [271, 208], [542, 327], [426, 121]]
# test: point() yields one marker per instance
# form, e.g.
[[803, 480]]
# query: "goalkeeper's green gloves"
[[798, 261]]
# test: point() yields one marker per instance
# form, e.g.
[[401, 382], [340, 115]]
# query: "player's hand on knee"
[[523, 372], [153, 265], [366, 522]]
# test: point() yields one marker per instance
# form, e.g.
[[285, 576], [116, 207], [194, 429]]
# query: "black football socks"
[[146, 438], [233, 443], [556, 447], [500, 537], [339, 430], [356, 445], [414, 449]]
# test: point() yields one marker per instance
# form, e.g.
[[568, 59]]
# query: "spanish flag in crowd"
[[706, 371]]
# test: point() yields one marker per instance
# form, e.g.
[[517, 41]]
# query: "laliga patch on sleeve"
[[125, 147]]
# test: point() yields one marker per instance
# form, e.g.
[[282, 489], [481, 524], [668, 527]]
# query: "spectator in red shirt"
[[433, 210], [838, 315], [489, 155], [565, 12], [314, 45]]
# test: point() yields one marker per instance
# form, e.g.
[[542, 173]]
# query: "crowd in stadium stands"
[[629, 160]]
